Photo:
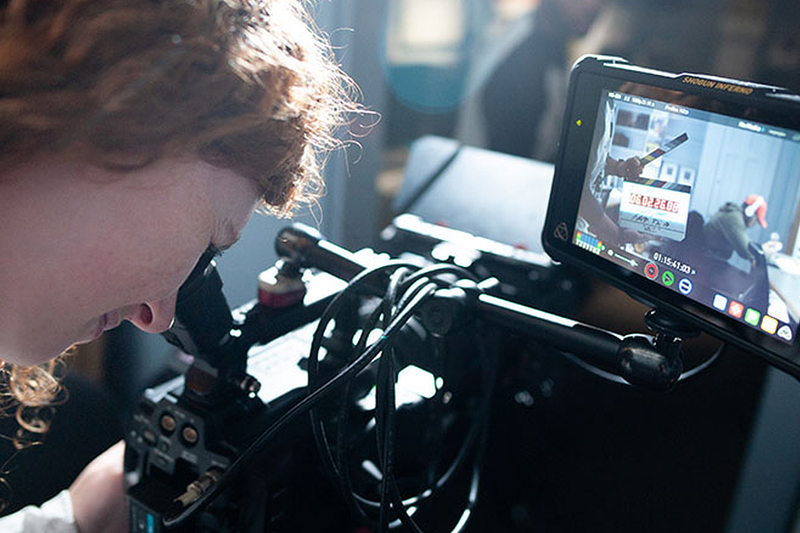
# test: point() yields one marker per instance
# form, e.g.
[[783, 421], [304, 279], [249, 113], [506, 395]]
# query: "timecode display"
[[666, 260], [670, 206]]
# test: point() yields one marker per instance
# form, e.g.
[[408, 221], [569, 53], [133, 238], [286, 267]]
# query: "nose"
[[155, 317]]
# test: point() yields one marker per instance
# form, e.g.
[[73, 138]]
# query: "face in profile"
[[90, 248]]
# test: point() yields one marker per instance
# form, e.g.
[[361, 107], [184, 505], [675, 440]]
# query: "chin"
[[32, 358], [31, 349], [35, 349], [40, 355]]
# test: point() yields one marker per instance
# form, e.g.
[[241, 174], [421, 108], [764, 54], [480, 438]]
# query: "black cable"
[[313, 367], [385, 406], [337, 467], [705, 364], [437, 439], [342, 457], [483, 423], [388, 468], [319, 432], [385, 420], [403, 287], [318, 429], [385, 411], [417, 286], [433, 270], [383, 313], [428, 182]]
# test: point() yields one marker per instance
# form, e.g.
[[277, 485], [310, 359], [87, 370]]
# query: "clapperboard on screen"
[[655, 207]]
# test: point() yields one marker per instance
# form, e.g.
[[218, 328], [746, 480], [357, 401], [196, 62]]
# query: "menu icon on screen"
[[769, 324], [736, 309], [752, 317]]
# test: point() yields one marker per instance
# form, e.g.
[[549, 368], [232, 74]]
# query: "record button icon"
[[651, 270]]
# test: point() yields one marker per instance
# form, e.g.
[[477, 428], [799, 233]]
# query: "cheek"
[[139, 243], [157, 277], [161, 257], [128, 271]]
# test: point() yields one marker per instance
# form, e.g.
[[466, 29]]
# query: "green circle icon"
[[668, 278]]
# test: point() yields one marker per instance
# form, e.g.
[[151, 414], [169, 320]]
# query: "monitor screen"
[[705, 204]]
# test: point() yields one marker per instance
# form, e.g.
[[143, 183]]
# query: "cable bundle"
[[409, 289]]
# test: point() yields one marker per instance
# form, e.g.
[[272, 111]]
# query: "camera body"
[[199, 422], [189, 431]]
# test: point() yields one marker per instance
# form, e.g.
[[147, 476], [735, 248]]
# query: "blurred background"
[[493, 74]]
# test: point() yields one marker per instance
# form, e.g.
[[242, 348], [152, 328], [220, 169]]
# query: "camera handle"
[[650, 362], [641, 360]]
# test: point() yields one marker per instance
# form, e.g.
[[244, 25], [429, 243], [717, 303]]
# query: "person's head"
[[133, 135], [755, 209]]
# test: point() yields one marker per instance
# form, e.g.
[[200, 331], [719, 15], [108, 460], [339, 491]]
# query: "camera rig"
[[395, 364]]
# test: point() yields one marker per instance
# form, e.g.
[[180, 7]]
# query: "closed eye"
[[202, 264], [214, 251]]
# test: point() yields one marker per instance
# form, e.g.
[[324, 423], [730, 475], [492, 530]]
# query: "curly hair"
[[247, 85], [31, 393]]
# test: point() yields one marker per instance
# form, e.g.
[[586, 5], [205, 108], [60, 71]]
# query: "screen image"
[[704, 204]]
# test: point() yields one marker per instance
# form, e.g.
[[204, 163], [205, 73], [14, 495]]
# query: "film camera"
[[395, 361]]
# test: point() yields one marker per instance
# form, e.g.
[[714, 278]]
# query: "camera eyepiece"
[[202, 315]]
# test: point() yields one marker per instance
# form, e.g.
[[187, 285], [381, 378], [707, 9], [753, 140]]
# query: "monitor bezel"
[[589, 79]]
